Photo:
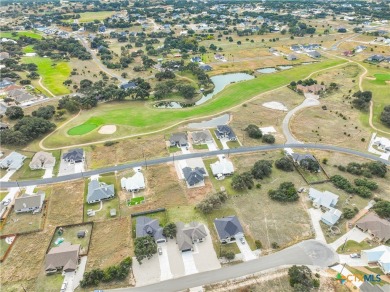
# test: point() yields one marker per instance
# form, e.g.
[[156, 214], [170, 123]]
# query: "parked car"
[[63, 287], [159, 251], [242, 239], [355, 256]]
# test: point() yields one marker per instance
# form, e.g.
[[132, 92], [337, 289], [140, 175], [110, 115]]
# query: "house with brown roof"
[[374, 225], [42, 160], [64, 257]]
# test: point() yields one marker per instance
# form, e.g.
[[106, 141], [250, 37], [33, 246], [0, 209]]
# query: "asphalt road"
[[309, 252], [156, 161]]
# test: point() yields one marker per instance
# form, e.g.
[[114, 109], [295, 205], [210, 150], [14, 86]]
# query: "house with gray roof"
[[291, 57], [134, 183], [299, 157], [74, 156], [369, 287], [222, 168], [224, 131], [201, 137], [375, 226], [228, 229], [146, 226], [331, 216], [323, 199], [194, 176], [187, 235], [13, 161], [64, 257], [42, 160], [314, 54], [99, 191], [179, 140], [29, 203]]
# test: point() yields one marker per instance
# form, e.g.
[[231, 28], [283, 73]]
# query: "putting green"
[[82, 129], [382, 78]]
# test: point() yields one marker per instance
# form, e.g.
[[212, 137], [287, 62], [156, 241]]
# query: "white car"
[[242, 239], [159, 251], [63, 287], [355, 256]]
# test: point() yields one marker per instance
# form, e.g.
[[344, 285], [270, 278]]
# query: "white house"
[[222, 168], [134, 183], [331, 216], [379, 255], [13, 161], [323, 199], [382, 143]]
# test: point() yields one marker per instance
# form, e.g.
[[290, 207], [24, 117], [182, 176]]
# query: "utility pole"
[[20, 190], [344, 243]]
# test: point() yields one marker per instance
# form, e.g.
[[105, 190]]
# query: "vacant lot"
[[25, 261], [21, 33], [22, 222], [91, 16], [66, 204], [125, 151], [69, 234]]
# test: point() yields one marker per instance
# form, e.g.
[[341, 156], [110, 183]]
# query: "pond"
[[220, 82], [220, 120], [285, 67], [267, 70]]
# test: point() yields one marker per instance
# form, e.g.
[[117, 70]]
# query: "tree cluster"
[[112, 273], [163, 89], [385, 116], [55, 48], [254, 131], [310, 165], [382, 208], [362, 100], [242, 181], [212, 202], [349, 213], [301, 279], [285, 193], [342, 183], [262, 169], [144, 247], [368, 170], [169, 230], [44, 112], [284, 164]]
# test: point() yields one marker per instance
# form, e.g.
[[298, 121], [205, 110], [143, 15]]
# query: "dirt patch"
[[66, 204], [195, 195], [107, 129], [275, 105]]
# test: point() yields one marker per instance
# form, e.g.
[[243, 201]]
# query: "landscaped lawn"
[[140, 119], [200, 146], [53, 73], [382, 78], [25, 172], [136, 201], [352, 246], [20, 33], [82, 129]]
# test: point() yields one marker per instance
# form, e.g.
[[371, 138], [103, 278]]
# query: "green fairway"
[[28, 49], [138, 118], [20, 33], [53, 73], [382, 78], [82, 129]]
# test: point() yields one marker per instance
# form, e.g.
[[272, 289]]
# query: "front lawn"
[[352, 246]]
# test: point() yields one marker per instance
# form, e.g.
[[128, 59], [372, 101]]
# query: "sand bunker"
[[107, 129], [275, 105]]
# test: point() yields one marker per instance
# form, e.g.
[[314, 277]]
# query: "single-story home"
[[206, 67], [379, 255], [147, 226], [64, 257], [291, 57], [13, 161], [222, 168], [29, 203], [323, 199], [42, 160], [179, 140], [359, 49], [74, 156], [187, 235], [224, 131], [314, 54], [297, 158], [201, 137], [376, 58], [193, 176], [374, 225], [382, 143], [129, 85], [134, 183], [228, 229], [331, 217], [99, 191]]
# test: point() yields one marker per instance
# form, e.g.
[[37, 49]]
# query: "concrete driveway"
[[224, 143], [315, 216], [148, 272], [246, 252], [357, 262], [212, 146], [48, 173], [79, 272], [189, 263], [8, 175], [69, 277], [204, 255], [164, 263], [354, 234]]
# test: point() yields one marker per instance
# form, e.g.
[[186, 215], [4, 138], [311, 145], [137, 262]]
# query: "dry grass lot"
[[66, 204], [125, 151], [110, 243], [329, 126], [22, 222], [24, 262]]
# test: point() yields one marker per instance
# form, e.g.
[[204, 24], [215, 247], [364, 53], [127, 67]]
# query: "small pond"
[[267, 70], [285, 67], [220, 82]]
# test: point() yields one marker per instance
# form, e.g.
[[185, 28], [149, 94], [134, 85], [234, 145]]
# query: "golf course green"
[[382, 78]]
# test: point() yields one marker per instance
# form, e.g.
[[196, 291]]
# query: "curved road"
[[161, 160], [310, 252]]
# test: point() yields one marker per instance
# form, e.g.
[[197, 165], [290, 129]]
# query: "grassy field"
[[28, 49], [70, 235], [3, 247], [91, 16], [136, 119], [30, 34], [53, 73], [22, 222]]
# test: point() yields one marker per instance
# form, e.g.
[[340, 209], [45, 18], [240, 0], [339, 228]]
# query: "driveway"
[[48, 173], [204, 254], [346, 259], [8, 175], [189, 263], [354, 234], [79, 272], [30, 190], [69, 277], [224, 143], [315, 216], [148, 272], [247, 253], [164, 263], [212, 146]]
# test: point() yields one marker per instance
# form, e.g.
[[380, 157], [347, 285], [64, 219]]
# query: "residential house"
[[29, 203], [129, 85], [331, 216], [179, 140], [367, 286], [297, 158], [187, 235], [295, 48], [13, 161], [201, 137], [224, 131], [20, 95], [219, 57], [146, 226], [222, 168], [375, 226], [291, 57], [64, 257], [134, 183], [42, 160], [74, 156], [379, 255], [206, 67], [348, 53], [99, 191], [382, 143], [360, 49], [314, 54], [228, 228], [196, 59], [376, 58], [323, 199], [4, 55], [102, 28], [5, 83], [193, 176], [4, 126]]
